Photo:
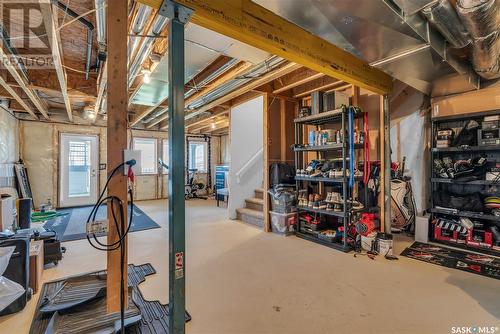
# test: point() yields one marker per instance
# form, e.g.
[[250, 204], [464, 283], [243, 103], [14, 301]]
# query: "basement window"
[[147, 146], [198, 156]]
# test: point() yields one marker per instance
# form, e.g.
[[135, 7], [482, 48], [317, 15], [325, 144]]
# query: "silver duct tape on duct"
[[444, 18], [482, 19]]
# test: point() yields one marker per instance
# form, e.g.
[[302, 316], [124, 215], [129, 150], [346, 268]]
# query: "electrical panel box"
[[135, 155]]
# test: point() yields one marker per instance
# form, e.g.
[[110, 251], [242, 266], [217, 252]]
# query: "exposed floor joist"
[[18, 98], [41, 107], [295, 79], [257, 26], [283, 70], [52, 29]]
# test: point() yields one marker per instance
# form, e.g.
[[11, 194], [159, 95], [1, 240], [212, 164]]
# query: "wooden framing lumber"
[[52, 25], [285, 69], [18, 98], [117, 97], [295, 79], [41, 106], [257, 26]]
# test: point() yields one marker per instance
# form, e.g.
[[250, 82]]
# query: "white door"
[[78, 169]]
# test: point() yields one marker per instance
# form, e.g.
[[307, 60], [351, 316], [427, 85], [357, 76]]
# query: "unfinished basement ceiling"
[[375, 31], [202, 47]]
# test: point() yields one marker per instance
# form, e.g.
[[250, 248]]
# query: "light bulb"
[[146, 78], [213, 125]]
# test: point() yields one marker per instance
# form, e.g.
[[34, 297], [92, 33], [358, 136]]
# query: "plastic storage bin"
[[283, 223]]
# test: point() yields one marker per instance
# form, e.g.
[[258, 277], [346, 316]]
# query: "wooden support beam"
[[41, 106], [214, 115], [117, 97], [257, 26], [208, 124], [297, 78], [18, 98], [285, 69], [321, 84], [52, 29]]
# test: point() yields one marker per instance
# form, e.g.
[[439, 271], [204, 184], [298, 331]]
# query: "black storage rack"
[[437, 183], [337, 116]]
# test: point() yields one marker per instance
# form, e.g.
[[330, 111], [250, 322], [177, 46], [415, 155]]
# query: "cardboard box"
[[481, 100], [6, 211]]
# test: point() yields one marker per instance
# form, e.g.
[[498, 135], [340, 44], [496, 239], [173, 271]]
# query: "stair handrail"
[[243, 170]]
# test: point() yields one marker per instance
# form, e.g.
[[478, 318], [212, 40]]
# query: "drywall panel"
[[247, 135], [9, 138]]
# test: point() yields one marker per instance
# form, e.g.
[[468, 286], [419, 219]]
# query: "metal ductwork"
[[444, 18], [255, 72], [191, 91], [143, 14], [158, 25], [482, 19], [101, 20]]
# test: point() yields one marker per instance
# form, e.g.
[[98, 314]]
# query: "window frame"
[[155, 159], [205, 162]]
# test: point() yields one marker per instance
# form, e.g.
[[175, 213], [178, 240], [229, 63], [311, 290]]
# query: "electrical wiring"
[[119, 223]]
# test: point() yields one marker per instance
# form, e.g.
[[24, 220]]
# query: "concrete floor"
[[241, 280]]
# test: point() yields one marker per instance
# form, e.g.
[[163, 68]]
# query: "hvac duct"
[[101, 20], [145, 49], [201, 84], [482, 19], [256, 72], [143, 13], [444, 18]]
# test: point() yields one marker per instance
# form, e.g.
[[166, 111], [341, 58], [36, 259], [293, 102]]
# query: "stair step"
[[250, 216], [259, 193], [254, 203]]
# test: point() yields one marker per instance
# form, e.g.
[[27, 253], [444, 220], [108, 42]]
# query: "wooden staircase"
[[253, 212]]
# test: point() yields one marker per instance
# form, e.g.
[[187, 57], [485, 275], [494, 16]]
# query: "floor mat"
[[154, 314], [72, 226], [473, 263]]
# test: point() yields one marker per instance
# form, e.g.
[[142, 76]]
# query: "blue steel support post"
[[176, 204]]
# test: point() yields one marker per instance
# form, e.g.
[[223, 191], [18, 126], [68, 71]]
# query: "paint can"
[[384, 244]]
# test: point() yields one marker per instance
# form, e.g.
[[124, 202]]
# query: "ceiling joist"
[[52, 29], [18, 98], [257, 26], [42, 108]]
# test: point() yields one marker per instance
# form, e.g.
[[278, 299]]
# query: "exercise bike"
[[191, 188]]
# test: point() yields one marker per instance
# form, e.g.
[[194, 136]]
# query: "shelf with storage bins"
[[335, 121], [480, 180]]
